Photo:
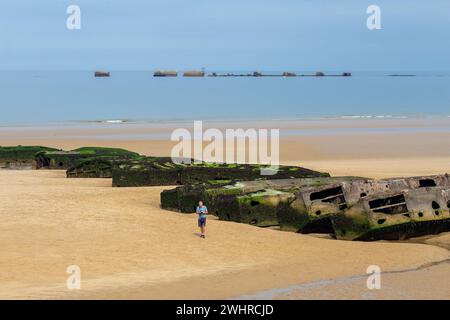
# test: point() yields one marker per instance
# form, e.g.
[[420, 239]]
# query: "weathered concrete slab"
[[258, 202], [396, 215], [74, 158], [20, 157], [321, 205], [314, 206], [95, 167], [162, 171]]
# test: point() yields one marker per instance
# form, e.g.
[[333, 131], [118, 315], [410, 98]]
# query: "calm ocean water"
[[40, 96]]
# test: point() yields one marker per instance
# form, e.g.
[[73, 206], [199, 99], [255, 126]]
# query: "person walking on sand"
[[202, 211]]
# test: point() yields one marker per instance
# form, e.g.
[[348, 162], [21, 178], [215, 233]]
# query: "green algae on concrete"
[[185, 198], [74, 158], [162, 171], [396, 215], [148, 171], [261, 203], [110, 152], [20, 157], [261, 208], [351, 208], [95, 167], [316, 206], [99, 162], [258, 202]]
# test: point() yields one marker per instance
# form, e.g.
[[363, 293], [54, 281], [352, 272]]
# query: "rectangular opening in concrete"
[[424, 183], [326, 194], [331, 195], [391, 205]]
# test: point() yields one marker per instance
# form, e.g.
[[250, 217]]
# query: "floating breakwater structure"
[[194, 74], [165, 73], [283, 74], [201, 74], [102, 74]]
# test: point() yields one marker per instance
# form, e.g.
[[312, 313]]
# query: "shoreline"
[[352, 287], [358, 120]]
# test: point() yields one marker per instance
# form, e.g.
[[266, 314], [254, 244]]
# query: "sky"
[[225, 35]]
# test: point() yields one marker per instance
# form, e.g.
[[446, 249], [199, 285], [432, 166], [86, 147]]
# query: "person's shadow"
[[197, 234]]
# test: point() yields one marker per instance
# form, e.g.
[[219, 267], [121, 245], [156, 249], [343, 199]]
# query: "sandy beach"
[[129, 248], [343, 105]]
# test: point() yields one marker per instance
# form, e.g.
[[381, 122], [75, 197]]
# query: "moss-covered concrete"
[[257, 202], [351, 208], [95, 167], [20, 157], [75, 160], [162, 171], [185, 198], [396, 215]]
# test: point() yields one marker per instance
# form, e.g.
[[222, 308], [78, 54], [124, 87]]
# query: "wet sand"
[[376, 149], [127, 247], [426, 283]]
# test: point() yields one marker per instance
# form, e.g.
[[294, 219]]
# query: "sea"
[[127, 96]]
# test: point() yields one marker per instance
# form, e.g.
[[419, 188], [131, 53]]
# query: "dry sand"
[[127, 247]]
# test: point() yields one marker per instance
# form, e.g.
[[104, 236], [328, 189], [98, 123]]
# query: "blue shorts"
[[201, 222]]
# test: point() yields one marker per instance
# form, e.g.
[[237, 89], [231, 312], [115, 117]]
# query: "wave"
[[115, 121]]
